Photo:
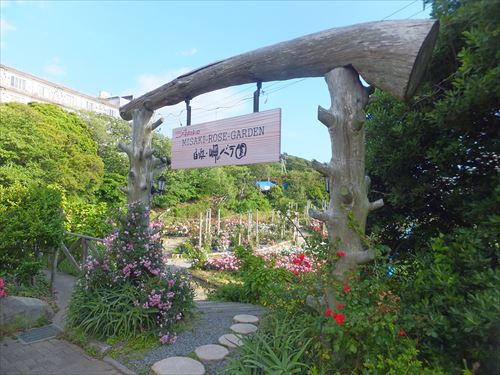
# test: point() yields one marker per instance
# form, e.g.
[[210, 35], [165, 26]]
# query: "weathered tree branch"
[[157, 123], [391, 55], [376, 205], [325, 117], [319, 215], [125, 148], [322, 168]]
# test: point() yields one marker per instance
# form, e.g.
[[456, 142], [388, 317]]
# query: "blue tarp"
[[265, 185]]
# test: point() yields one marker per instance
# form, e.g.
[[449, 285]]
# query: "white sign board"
[[248, 139]]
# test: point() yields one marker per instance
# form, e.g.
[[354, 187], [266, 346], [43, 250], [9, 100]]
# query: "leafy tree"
[[435, 158], [43, 143], [31, 223]]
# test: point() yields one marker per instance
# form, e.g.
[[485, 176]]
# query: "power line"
[[225, 103], [399, 10], [413, 15]]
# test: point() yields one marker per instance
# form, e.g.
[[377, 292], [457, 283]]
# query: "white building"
[[17, 86]]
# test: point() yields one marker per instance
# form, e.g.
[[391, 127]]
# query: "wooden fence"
[[86, 243]]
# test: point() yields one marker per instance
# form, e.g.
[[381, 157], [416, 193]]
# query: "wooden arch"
[[390, 55]]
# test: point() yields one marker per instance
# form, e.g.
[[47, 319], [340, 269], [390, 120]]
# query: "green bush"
[[110, 311], [125, 290], [454, 296], [31, 224], [277, 348]]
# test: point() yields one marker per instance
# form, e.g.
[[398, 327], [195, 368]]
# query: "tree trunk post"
[[142, 163], [53, 269], [249, 227], [200, 235], [218, 221], [346, 171], [240, 230], [257, 228]]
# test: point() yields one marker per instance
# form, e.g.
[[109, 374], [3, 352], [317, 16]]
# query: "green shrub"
[[125, 290], [197, 255], [261, 282], [454, 296], [277, 348], [31, 224], [108, 312]]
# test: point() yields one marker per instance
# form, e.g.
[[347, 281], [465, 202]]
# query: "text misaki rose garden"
[[193, 137]]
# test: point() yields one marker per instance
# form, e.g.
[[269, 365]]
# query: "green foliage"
[[126, 290], [277, 348], [105, 312], [261, 283], [92, 219], [43, 143], [433, 159], [197, 255], [455, 298], [31, 223], [39, 288]]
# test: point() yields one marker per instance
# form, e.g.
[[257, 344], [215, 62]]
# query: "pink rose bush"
[[3, 292], [227, 262], [133, 262]]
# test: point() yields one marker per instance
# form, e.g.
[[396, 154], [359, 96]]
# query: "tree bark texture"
[[141, 160], [391, 55], [346, 171]]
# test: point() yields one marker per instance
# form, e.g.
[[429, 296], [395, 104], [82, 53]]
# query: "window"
[[18, 83]]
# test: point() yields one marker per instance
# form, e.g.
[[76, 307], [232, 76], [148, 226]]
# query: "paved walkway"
[[55, 356], [50, 357]]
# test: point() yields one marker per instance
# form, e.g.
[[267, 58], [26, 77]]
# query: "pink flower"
[[3, 293]]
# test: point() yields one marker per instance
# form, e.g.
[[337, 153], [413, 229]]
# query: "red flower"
[[347, 289], [340, 253], [339, 318], [402, 333], [328, 312], [301, 256], [339, 306]]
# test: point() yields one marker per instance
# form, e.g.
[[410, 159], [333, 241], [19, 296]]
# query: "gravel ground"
[[214, 321]]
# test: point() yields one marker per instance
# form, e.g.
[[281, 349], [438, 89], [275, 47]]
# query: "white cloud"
[[187, 52], [5, 26], [54, 67], [228, 102]]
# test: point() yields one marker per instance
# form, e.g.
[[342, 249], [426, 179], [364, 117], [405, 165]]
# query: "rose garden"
[[396, 273]]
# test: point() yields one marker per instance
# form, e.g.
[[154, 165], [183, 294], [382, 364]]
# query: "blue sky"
[[131, 47]]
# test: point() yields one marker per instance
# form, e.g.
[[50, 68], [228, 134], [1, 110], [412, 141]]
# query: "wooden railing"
[[83, 241]]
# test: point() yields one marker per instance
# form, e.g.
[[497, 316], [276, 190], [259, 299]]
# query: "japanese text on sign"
[[248, 139]]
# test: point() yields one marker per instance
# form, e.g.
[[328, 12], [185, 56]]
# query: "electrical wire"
[[399, 10], [225, 103]]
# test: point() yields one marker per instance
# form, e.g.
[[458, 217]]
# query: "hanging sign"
[[248, 139]]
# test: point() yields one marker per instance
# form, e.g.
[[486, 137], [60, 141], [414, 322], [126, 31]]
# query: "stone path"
[[214, 321], [51, 357], [209, 353]]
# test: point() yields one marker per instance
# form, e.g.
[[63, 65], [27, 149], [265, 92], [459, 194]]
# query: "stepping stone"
[[245, 318], [211, 352], [178, 366], [243, 328], [230, 340]]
